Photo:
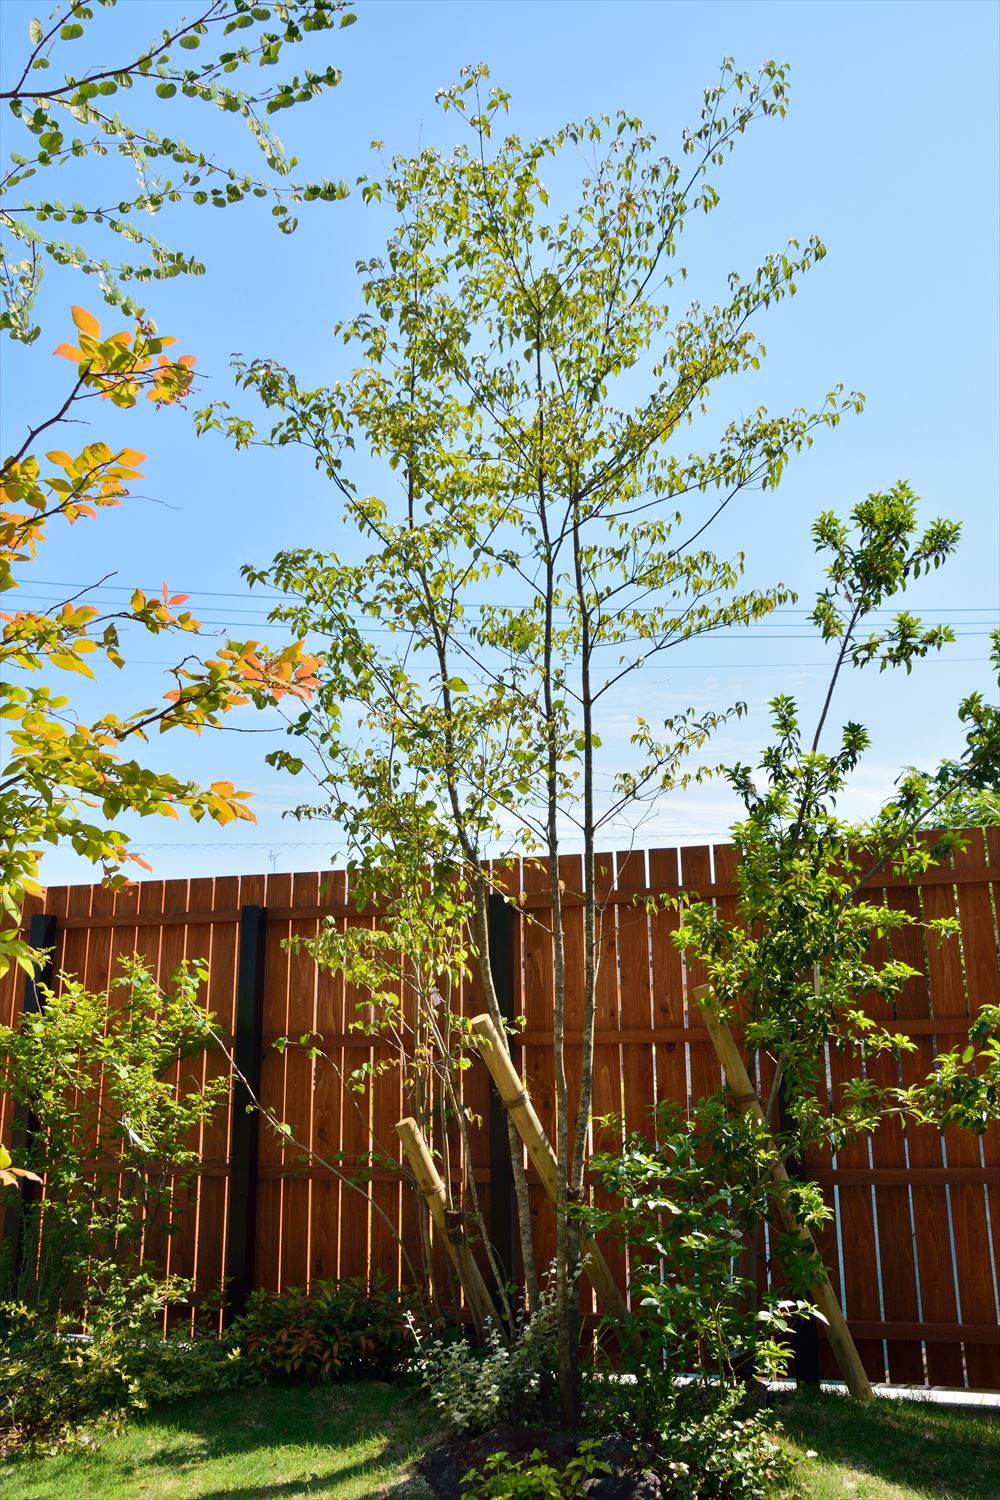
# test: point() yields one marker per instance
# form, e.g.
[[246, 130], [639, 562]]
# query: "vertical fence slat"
[[300, 1076], [328, 1193]]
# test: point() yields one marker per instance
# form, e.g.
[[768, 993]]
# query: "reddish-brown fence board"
[[915, 1242]]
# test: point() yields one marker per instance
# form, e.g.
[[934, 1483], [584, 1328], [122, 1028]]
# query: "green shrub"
[[54, 1382], [333, 1331], [725, 1452], [474, 1388]]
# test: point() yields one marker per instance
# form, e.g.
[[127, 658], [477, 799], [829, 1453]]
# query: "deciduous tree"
[[66, 779], [528, 377]]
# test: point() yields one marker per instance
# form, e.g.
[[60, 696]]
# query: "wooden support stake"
[[744, 1096], [522, 1112], [433, 1189]]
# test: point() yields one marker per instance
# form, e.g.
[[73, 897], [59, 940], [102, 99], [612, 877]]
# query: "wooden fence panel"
[[970, 1204], [917, 1238], [667, 982], [705, 1074], [221, 894]]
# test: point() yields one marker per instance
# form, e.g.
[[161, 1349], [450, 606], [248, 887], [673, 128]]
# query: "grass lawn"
[[892, 1450], [338, 1442], [361, 1440]]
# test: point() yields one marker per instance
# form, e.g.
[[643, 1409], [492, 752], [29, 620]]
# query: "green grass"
[[892, 1450], [353, 1441], [336, 1442]]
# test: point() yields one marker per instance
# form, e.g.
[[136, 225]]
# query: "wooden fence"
[[913, 1248]]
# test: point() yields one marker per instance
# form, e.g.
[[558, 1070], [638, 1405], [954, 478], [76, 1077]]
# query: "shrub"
[[688, 1206], [332, 1331], [725, 1452], [54, 1383], [118, 1093], [472, 1389]]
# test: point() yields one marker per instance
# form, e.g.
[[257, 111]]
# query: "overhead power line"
[[200, 593]]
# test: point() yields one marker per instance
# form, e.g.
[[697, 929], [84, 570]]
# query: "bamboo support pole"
[[516, 1101], [744, 1096], [435, 1195]]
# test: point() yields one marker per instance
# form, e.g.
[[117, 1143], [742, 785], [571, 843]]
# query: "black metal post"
[[244, 1135], [503, 1205], [42, 932]]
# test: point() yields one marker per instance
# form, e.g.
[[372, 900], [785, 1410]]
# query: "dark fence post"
[[503, 1206], [42, 932], [805, 1338], [245, 1129]]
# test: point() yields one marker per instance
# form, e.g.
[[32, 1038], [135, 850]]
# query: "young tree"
[[70, 116], [65, 779], [528, 376], [795, 959], [117, 1094]]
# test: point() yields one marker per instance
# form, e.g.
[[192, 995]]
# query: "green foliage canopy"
[[73, 113]]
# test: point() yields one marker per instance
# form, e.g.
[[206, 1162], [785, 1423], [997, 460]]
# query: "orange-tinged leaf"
[[86, 322], [68, 351], [143, 864], [223, 788], [187, 360], [58, 456], [129, 457]]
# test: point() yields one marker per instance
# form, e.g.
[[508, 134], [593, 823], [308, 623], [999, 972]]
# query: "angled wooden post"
[[744, 1096], [522, 1112], [432, 1187]]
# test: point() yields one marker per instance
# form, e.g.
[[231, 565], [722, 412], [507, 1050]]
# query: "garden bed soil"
[[445, 1467]]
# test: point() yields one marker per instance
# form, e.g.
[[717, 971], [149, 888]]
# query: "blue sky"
[[889, 153]]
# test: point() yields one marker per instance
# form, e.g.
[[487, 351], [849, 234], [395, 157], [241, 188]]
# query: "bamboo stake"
[[522, 1112], [433, 1189], [744, 1096]]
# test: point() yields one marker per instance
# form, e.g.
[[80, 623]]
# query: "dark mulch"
[[445, 1467]]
